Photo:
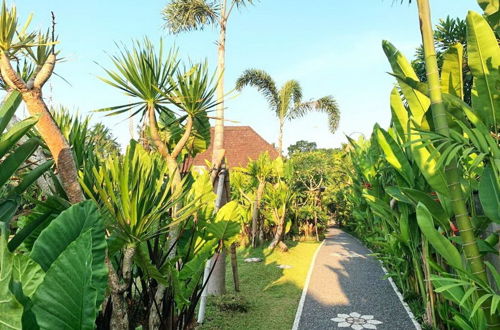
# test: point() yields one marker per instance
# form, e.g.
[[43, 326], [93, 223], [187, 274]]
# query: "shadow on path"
[[345, 280]]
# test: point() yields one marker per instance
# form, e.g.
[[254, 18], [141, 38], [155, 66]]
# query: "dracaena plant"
[[38, 51]]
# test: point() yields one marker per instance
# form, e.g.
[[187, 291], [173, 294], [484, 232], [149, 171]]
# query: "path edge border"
[[393, 285], [300, 307]]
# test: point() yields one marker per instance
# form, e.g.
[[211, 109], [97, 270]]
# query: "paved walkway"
[[346, 290]]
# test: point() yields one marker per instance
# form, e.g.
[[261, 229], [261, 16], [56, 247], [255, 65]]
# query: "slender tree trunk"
[[469, 243], [280, 136], [216, 284], [234, 267], [256, 211]]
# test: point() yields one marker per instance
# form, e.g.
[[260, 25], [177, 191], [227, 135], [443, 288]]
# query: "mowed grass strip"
[[269, 294]]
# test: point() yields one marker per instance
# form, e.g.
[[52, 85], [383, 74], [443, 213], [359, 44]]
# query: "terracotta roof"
[[241, 143]]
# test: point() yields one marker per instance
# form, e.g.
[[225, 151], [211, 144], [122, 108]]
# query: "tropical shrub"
[[406, 181]]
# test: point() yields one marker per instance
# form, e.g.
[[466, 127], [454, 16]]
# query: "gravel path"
[[347, 290]]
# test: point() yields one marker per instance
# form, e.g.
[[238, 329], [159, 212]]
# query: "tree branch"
[[182, 142], [10, 76]]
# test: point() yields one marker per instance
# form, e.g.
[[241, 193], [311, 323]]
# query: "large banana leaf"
[[489, 194], [442, 245], [65, 229], [67, 298], [400, 116], [451, 71], [484, 60], [418, 102], [394, 155]]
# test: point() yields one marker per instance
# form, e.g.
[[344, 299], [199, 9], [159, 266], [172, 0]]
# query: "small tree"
[[38, 52]]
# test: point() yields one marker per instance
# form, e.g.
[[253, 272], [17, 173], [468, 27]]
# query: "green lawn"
[[271, 294]]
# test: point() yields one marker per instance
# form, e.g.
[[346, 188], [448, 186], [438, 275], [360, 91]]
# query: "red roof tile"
[[241, 143]]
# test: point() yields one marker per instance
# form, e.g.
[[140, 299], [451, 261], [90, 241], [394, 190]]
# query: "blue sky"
[[331, 47]]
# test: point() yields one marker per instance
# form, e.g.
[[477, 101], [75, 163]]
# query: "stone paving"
[[347, 290]]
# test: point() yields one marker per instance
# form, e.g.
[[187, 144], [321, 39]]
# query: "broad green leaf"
[[433, 206], [400, 116], [66, 228], [451, 71], [484, 59], [27, 272], [66, 299], [489, 194], [426, 158], [394, 155], [11, 311], [418, 102], [442, 245], [226, 225]]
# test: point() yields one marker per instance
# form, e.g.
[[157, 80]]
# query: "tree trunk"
[[280, 136], [234, 267], [57, 144], [459, 206], [216, 284], [255, 213], [31, 93], [279, 233]]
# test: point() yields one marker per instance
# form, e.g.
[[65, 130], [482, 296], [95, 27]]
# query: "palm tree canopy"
[[287, 101], [264, 84], [290, 97], [187, 15], [326, 104]]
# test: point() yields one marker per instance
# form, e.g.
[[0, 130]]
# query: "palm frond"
[[326, 104], [187, 15], [290, 96], [263, 82]]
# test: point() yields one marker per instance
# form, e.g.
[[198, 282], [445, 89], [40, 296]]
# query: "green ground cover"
[[269, 294]]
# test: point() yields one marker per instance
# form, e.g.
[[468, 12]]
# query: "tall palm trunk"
[[221, 62], [457, 199], [280, 135], [216, 284], [59, 147]]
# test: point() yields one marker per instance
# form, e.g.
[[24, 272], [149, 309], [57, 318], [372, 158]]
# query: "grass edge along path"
[[269, 293]]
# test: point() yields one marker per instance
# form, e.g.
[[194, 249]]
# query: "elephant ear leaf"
[[65, 229], [489, 194], [11, 310], [66, 299], [226, 225], [442, 245]]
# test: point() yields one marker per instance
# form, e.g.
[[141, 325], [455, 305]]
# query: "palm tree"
[[188, 15], [287, 101], [38, 51]]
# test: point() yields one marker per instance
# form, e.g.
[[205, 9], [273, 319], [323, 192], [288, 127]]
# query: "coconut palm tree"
[[286, 102], [38, 52]]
